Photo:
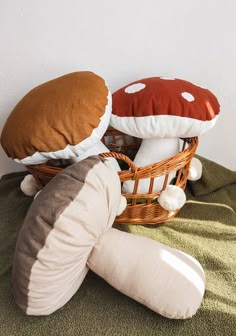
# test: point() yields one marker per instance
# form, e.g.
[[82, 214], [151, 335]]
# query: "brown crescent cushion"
[[59, 119]]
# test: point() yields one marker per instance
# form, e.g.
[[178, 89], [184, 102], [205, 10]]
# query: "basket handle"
[[121, 157]]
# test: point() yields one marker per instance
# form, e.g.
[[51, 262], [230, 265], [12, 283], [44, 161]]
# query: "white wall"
[[122, 41]]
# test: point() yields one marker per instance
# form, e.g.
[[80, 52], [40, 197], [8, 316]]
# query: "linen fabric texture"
[[59, 232], [59, 119], [67, 230]]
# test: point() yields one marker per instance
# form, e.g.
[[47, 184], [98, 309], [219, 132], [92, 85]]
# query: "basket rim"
[[136, 213], [166, 164], [193, 142]]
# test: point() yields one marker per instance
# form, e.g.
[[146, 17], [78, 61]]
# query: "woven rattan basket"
[[141, 208]]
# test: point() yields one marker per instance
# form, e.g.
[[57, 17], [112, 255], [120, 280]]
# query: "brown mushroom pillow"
[[59, 119], [63, 119], [67, 231], [160, 110]]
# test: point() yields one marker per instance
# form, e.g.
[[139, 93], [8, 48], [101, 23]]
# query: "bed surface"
[[204, 228]]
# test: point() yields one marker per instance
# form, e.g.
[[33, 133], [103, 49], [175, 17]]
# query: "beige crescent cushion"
[[59, 119], [67, 230], [168, 281], [61, 227]]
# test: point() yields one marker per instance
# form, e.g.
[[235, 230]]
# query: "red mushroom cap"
[[164, 107]]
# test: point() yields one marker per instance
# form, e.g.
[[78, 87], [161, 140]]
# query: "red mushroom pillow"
[[160, 110]]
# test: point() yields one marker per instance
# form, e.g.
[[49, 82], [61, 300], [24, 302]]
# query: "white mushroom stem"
[[96, 149], [152, 151], [195, 170], [172, 198], [167, 281]]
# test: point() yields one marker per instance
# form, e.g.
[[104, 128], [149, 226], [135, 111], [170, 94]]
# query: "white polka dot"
[[167, 78], [135, 88], [187, 96]]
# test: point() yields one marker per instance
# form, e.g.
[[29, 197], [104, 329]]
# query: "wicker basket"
[[141, 208]]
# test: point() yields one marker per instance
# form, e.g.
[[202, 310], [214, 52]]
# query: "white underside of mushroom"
[[153, 151], [96, 149], [29, 186], [162, 126]]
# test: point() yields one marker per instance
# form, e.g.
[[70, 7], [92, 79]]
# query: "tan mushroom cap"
[[163, 107], [59, 119]]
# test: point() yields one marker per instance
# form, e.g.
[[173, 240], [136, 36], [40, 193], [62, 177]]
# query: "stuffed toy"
[[62, 119], [68, 230], [160, 110]]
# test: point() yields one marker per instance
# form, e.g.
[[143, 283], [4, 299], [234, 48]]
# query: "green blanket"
[[205, 228]]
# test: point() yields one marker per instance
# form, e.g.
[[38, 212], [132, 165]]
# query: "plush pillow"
[[168, 281], [59, 232], [160, 110], [59, 119], [67, 230]]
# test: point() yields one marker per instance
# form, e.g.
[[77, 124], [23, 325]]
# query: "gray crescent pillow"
[[59, 232]]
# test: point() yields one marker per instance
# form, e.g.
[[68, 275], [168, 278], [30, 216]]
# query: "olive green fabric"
[[205, 228]]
